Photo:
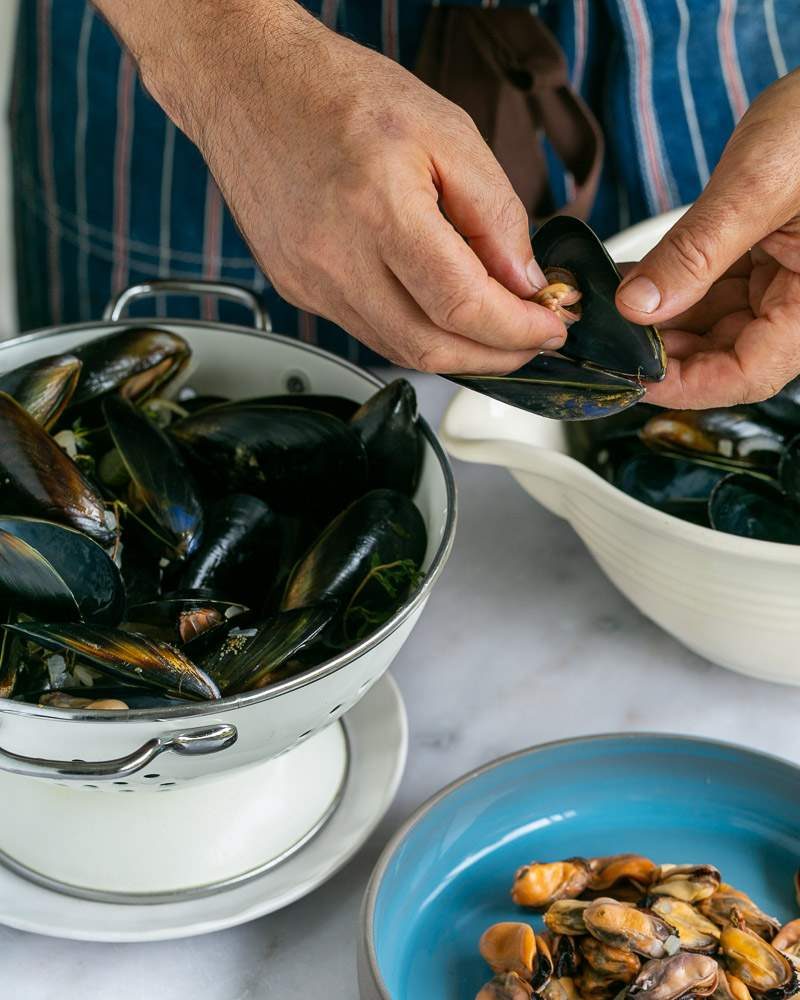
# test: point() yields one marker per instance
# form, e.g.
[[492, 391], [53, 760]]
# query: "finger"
[[724, 297], [482, 205], [452, 287], [721, 226]]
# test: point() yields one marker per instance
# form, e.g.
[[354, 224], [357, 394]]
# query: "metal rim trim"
[[367, 917], [324, 669]]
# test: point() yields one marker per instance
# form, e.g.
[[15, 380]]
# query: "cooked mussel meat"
[[625, 926], [760, 966], [691, 883], [507, 986], [619, 964], [509, 947], [718, 909], [616, 868], [681, 975], [594, 985], [565, 916], [696, 932], [543, 882], [44, 387]]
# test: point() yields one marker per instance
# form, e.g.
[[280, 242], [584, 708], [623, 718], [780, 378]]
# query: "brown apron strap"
[[505, 68]]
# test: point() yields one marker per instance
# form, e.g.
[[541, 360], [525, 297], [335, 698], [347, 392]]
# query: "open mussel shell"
[[136, 362], [43, 388], [675, 485], [180, 619], [738, 438], [251, 654], [754, 508], [39, 480], [240, 552], [601, 337], [129, 657], [377, 542], [52, 572], [557, 388], [388, 425], [296, 460], [160, 479]]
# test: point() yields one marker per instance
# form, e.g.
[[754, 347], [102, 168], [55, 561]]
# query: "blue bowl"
[[446, 874]]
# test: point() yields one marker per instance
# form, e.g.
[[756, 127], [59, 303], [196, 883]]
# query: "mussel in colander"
[[626, 926], [126, 656], [760, 966], [696, 932], [739, 438], [52, 572], [44, 387], [388, 425], [336, 406], [542, 883], [135, 362], [162, 490], [296, 460], [754, 508], [178, 619], [368, 559], [37, 479], [719, 905], [240, 553], [681, 975]]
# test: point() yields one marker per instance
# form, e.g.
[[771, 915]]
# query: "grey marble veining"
[[523, 641]]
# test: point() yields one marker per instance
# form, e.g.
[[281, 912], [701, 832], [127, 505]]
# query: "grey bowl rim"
[[210, 708], [367, 913]]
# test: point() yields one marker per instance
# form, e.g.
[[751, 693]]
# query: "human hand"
[[729, 314], [364, 195]]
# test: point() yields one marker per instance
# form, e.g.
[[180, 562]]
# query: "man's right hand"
[[365, 196]]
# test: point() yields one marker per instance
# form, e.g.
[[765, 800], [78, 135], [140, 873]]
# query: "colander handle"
[[189, 742], [169, 286]]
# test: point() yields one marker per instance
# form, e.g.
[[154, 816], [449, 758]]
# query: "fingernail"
[[640, 294], [535, 275], [553, 344]]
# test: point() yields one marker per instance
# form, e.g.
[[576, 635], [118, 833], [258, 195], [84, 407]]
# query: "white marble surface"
[[523, 641]]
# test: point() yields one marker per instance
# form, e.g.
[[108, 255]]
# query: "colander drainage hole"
[[126, 789], [120, 782], [166, 784], [90, 786], [152, 776], [334, 709]]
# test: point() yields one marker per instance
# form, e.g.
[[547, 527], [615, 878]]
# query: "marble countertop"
[[524, 640]]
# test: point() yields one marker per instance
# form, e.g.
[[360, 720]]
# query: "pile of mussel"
[[736, 470], [158, 546], [622, 926]]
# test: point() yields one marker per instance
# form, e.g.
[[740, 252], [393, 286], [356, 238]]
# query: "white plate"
[[378, 735]]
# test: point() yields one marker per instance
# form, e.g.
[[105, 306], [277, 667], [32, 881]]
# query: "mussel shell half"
[[557, 388], [250, 655], [380, 529], [789, 469], [159, 475], [601, 337], [37, 479], [240, 552], [753, 508], [43, 387], [52, 572], [677, 486], [126, 656], [736, 438], [180, 619], [294, 459], [387, 424], [135, 361]]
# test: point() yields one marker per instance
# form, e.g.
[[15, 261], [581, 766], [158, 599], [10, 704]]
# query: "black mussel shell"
[[126, 656], [336, 406], [754, 508], [789, 469], [53, 572], [557, 388], [181, 618], [677, 486], [253, 654], [194, 404], [784, 407], [383, 530], [9, 666], [241, 551], [737, 438], [38, 479], [587, 437], [135, 362], [388, 425], [602, 337], [43, 388], [296, 460], [161, 480]]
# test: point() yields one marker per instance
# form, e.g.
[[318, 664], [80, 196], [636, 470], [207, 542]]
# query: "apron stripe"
[[46, 165], [729, 57], [647, 126], [122, 168], [688, 97], [165, 211], [81, 119], [212, 245], [774, 38]]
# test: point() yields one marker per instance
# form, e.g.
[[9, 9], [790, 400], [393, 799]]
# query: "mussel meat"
[[681, 975], [696, 932], [691, 883], [565, 916], [718, 909], [787, 939], [507, 986], [610, 871], [619, 964], [509, 947], [760, 967], [541, 883], [625, 926]]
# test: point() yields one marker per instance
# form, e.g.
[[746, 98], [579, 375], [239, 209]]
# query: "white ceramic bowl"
[[733, 600]]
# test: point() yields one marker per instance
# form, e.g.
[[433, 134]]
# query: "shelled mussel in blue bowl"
[[159, 547], [735, 470]]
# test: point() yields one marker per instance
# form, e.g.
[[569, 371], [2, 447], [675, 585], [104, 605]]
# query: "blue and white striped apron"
[[108, 192]]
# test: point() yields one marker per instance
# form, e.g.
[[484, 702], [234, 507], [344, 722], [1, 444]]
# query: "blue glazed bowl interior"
[[673, 799]]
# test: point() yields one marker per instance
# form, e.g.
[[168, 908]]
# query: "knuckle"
[[693, 253], [460, 310], [510, 213], [437, 357]]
